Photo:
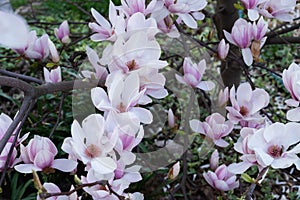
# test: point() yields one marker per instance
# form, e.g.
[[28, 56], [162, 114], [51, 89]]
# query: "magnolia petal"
[[247, 56], [293, 114], [239, 168], [103, 165], [253, 14], [13, 31], [27, 168], [64, 165]]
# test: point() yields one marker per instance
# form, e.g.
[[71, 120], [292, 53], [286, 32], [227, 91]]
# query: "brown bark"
[[225, 16]]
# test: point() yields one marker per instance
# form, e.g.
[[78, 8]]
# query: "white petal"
[[293, 114], [247, 56]]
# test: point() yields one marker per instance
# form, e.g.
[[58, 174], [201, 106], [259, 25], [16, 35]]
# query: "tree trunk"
[[225, 16]]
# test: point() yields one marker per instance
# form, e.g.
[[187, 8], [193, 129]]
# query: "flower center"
[[243, 111], [270, 10], [131, 65], [275, 151], [92, 151]]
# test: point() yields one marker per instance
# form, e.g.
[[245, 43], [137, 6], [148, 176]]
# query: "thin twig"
[[59, 114]]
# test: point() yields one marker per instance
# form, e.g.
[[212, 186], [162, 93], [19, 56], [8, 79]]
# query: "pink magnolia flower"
[[223, 49], [62, 33], [52, 76], [241, 36], [52, 188], [13, 30], [128, 139], [91, 144], [214, 160], [123, 97], [107, 30], [277, 145], [167, 26], [245, 103], [193, 74], [135, 53], [242, 146], [130, 7], [187, 10], [39, 155], [101, 71], [223, 97], [5, 122], [252, 8], [38, 48], [280, 9], [291, 81], [215, 127], [221, 179]]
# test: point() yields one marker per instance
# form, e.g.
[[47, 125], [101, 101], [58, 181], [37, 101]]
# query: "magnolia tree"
[[152, 51]]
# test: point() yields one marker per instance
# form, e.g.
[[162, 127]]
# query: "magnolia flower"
[[91, 144], [214, 160], [167, 26], [174, 170], [187, 10], [14, 31], [107, 30], [245, 103], [223, 49], [135, 53], [241, 35], [123, 97], [39, 155], [223, 97], [259, 30], [215, 127], [277, 145], [242, 146], [101, 71], [126, 142], [38, 48], [193, 74], [252, 8], [130, 7], [62, 33], [52, 188], [221, 179], [280, 9], [291, 81], [52, 76]]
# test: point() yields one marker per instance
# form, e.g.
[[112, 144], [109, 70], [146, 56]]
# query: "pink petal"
[[247, 56], [64, 165]]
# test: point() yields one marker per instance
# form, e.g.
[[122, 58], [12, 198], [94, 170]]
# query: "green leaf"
[[247, 178]]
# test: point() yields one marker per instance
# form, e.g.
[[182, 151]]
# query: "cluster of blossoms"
[[278, 9]]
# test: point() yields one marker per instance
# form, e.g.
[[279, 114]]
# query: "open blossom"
[[62, 33], [91, 144], [193, 73], [223, 49], [130, 7], [221, 179], [187, 10], [39, 155], [135, 53], [52, 76], [14, 31], [252, 8], [241, 35], [242, 146], [215, 127], [280, 9], [122, 99], [277, 145], [5, 122], [291, 81], [245, 103], [101, 71], [107, 30]]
